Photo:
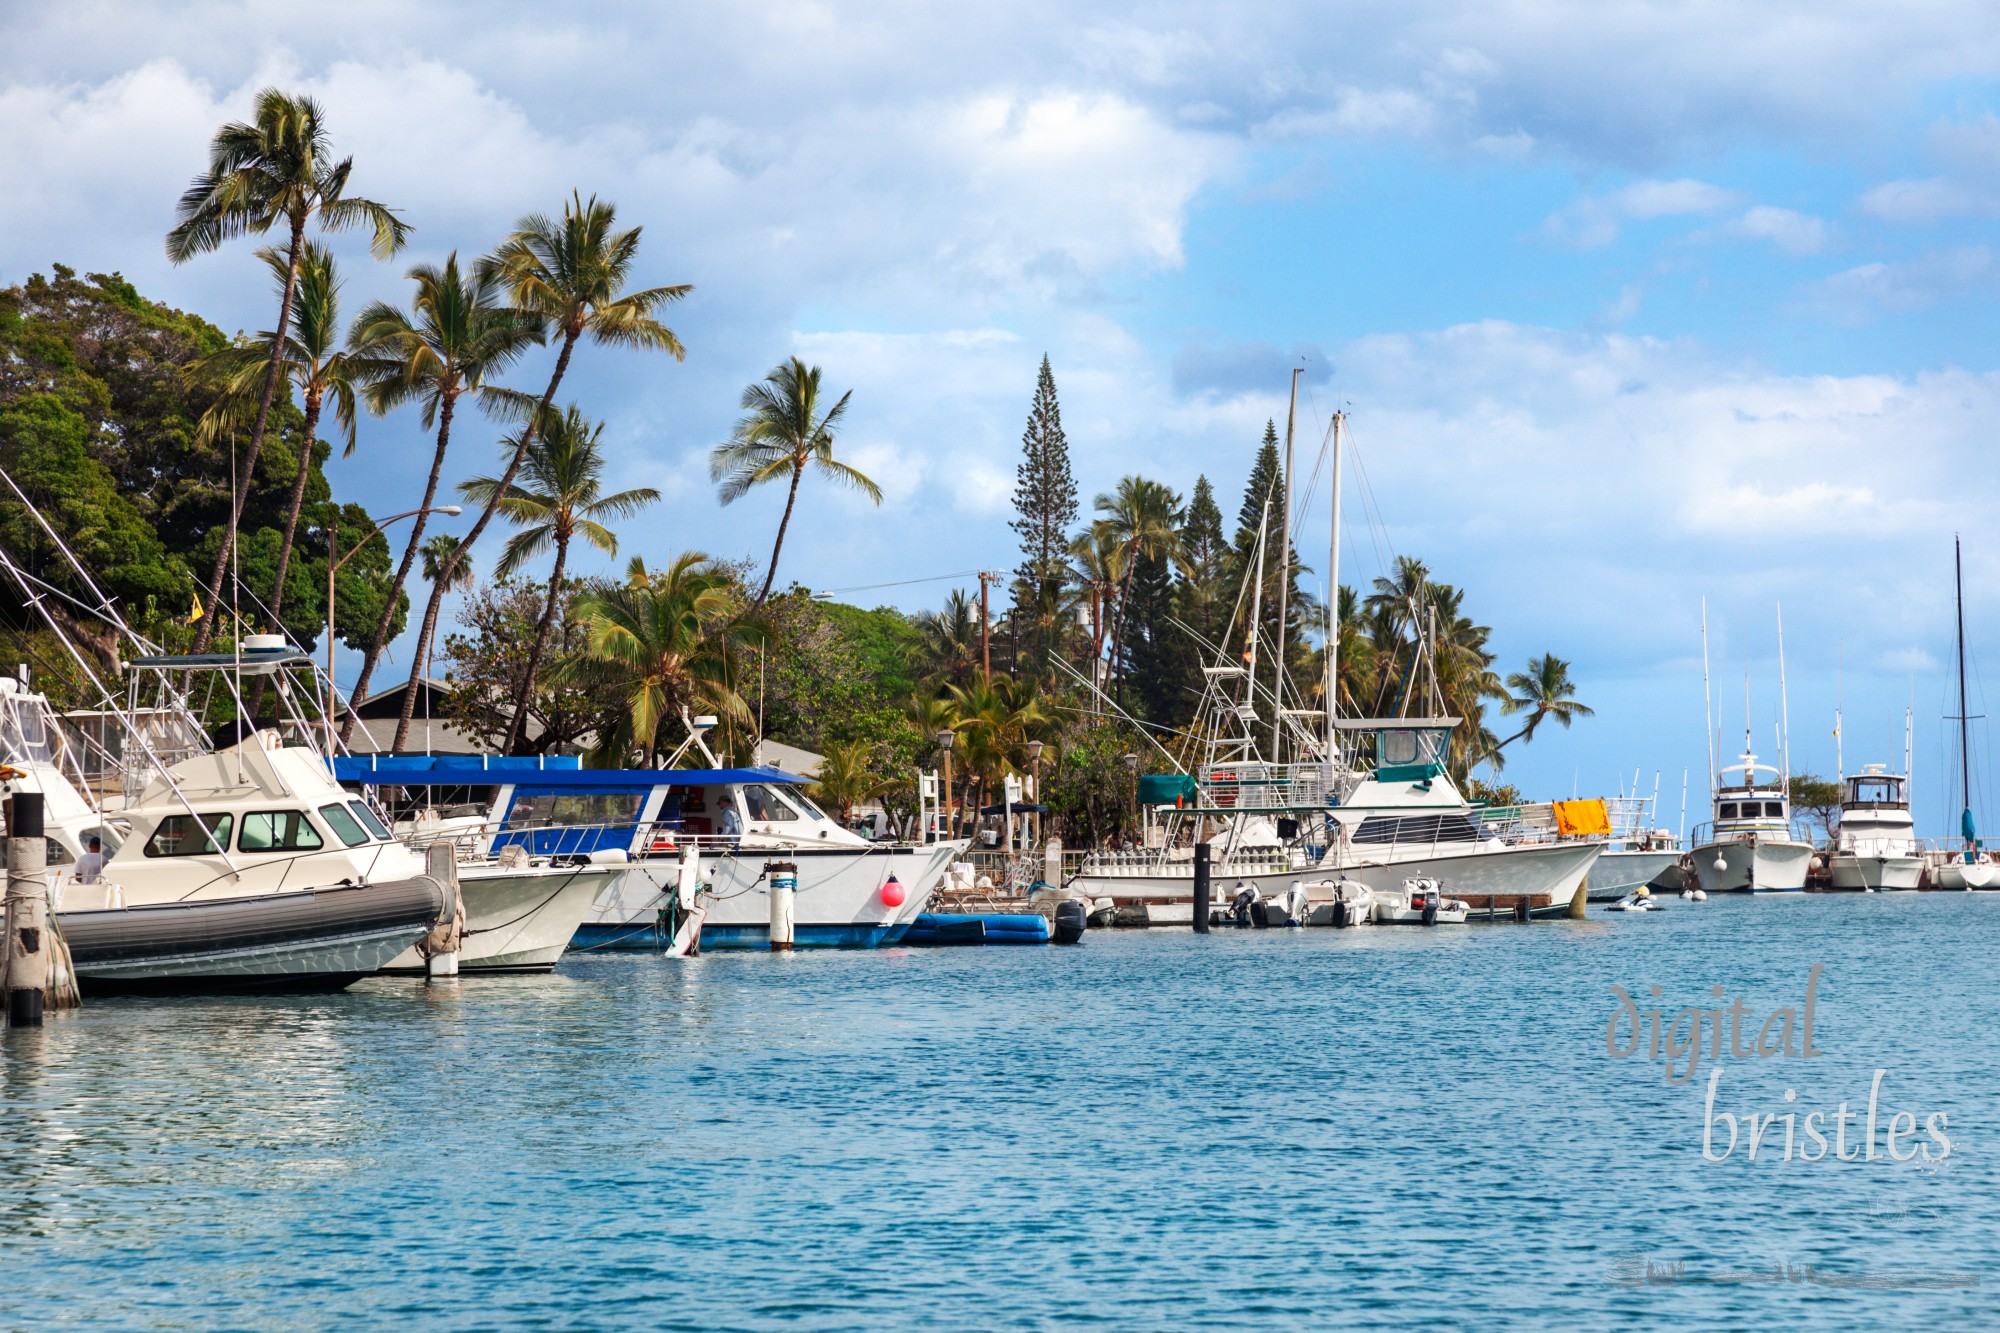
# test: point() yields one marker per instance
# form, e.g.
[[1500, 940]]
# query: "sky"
[[1631, 306]]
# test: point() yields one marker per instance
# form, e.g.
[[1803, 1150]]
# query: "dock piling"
[[1201, 890], [784, 878], [27, 957]]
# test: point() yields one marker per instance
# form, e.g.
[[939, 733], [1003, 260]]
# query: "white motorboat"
[[1875, 844], [632, 827], [1640, 900], [1339, 903], [238, 870], [1418, 901], [1750, 847], [1378, 824]]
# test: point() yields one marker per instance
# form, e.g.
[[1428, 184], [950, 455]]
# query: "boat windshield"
[[183, 835], [278, 831], [1875, 791], [766, 806]]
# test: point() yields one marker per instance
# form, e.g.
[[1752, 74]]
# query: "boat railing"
[[644, 840], [1259, 786]]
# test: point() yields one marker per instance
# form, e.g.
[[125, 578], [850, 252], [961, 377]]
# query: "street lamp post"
[[333, 567], [1035, 789], [944, 738], [1132, 763]]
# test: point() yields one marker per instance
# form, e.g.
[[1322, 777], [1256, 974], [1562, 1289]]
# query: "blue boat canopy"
[[462, 770]]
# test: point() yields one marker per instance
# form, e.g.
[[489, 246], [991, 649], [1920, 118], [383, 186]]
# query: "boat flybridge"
[[729, 829], [244, 869], [1749, 846], [1875, 844]]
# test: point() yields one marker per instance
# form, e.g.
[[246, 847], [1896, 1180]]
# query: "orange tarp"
[[1581, 819]]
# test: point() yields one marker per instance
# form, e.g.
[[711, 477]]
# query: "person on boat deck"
[[91, 864], [732, 824]]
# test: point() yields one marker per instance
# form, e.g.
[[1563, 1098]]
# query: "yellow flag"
[[195, 614]]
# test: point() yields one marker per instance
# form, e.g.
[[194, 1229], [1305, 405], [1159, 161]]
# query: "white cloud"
[[1595, 221], [1865, 291], [1927, 200], [1791, 233]]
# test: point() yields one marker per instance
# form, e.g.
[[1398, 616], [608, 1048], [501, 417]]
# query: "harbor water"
[[1254, 1129]]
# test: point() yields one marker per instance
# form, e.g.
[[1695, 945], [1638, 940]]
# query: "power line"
[[903, 583]]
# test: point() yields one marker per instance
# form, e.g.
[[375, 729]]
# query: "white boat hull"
[[838, 902], [1620, 872], [1961, 875], [519, 920], [1778, 866], [1554, 872], [1879, 873]]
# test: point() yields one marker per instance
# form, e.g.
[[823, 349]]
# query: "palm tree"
[[1544, 690], [668, 640], [847, 778], [461, 334], [948, 639], [278, 168], [569, 277], [309, 356], [1143, 518], [440, 554], [783, 430], [557, 498], [1097, 564]]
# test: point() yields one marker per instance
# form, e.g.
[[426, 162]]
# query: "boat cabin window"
[[278, 831], [1774, 809], [183, 835], [766, 806], [1728, 810], [568, 809], [341, 821], [368, 820]]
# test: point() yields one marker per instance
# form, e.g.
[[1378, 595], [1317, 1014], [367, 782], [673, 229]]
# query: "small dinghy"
[[1339, 903], [1420, 903]]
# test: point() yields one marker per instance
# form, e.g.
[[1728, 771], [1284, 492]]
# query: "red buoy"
[[892, 892]]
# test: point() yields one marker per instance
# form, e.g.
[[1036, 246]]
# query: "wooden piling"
[[27, 957]]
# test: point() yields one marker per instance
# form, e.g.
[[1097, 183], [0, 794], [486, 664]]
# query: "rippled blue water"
[[1251, 1130]]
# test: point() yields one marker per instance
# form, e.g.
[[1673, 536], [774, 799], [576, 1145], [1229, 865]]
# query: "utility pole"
[[985, 625]]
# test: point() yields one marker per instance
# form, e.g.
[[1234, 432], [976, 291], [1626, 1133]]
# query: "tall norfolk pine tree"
[[1044, 491]]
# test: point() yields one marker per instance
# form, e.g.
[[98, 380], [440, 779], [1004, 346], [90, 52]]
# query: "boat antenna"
[[1707, 714], [1284, 576], [1784, 709]]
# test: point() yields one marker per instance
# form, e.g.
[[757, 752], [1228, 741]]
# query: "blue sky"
[[1630, 305]]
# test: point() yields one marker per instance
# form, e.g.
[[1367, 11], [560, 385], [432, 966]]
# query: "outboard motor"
[[1239, 908], [1071, 918], [1341, 914]]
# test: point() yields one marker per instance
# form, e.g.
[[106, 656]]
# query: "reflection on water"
[[1255, 1129]]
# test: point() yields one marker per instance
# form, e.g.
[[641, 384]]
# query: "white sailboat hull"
[[1765, 866]]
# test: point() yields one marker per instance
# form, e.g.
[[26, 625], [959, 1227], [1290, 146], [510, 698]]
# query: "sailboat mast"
[[1964, 724], [1333, 597], [1284, 577]]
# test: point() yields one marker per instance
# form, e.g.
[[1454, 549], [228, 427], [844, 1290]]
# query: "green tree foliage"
[[830, 675], [571, 703], [1815, 798], [99, 425]]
